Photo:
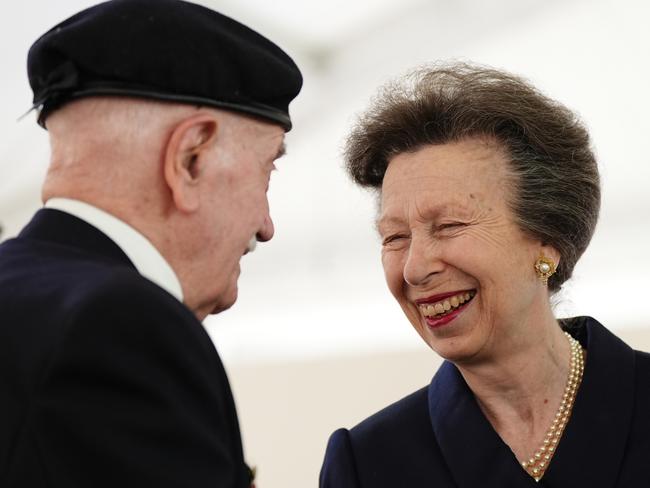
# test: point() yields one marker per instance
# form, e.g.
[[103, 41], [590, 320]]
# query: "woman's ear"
[[187, 150], [551, 253]]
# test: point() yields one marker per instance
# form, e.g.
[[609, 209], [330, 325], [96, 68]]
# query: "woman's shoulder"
[[402, 418], [394, 447]]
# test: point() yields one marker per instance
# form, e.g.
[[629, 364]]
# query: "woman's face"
[[453, 256]]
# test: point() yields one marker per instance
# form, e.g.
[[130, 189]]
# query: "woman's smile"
[[441, 309], [444, 244]]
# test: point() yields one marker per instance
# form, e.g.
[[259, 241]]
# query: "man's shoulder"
[[643, 358], [642, 365], [62, 295], [71, 276], [23, 260], [123, 292]]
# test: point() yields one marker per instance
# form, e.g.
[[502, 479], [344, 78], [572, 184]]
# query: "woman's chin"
[[452, 341]]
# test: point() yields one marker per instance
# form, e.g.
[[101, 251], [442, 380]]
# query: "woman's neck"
[[520, 391]]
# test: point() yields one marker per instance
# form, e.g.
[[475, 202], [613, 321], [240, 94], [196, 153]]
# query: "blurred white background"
[[315, 341]]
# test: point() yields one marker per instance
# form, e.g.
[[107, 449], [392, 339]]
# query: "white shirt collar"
[[142, 253]]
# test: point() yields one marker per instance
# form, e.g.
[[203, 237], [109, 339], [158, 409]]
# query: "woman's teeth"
[[444, 306]]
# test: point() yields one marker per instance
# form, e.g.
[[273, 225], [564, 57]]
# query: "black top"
[[106, 380], [438, 436]]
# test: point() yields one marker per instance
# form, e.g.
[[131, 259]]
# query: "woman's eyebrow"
[[386, 222]]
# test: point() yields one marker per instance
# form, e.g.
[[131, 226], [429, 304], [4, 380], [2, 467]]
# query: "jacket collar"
[[592, 446], [140, 251], [474, 453], [66, 230]]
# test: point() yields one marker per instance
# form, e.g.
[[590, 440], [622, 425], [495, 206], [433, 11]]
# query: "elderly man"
[[165, 119]]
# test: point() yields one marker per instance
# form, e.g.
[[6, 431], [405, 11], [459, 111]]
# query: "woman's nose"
[[422, 261]]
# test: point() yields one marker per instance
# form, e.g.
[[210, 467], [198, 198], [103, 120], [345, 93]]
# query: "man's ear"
[[185, 154]]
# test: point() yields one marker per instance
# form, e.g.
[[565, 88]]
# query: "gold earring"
[[545, 268]]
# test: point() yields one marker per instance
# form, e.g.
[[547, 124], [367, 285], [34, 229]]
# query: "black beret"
[[165, 50]]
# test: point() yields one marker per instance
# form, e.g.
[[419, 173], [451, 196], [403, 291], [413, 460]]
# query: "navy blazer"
[[106, 380], [438, 437]]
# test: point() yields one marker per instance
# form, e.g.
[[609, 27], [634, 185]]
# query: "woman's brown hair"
[[557, 186]]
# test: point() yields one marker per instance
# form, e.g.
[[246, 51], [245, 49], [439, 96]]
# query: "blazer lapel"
[[473, 451], [592, 447], [593, 444]]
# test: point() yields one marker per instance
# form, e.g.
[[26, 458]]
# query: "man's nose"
[[267, 230]]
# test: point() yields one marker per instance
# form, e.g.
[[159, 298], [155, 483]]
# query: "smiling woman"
[[488, 194], [459, 240]]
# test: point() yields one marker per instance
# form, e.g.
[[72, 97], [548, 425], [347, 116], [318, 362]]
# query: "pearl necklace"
[[537, 464]]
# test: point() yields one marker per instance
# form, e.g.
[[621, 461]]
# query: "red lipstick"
[[435, 322], [441, 296]]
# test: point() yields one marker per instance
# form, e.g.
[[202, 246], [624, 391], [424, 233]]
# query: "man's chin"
[[214, 304], [225, 303], [221, 308]]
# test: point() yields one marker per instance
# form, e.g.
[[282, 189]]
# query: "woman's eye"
[[450, 226], [393, 238]]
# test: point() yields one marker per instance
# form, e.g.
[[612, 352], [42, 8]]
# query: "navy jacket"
[[438, 437], [106, 380]]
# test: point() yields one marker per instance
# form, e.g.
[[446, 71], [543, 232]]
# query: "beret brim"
[[251, 108]]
